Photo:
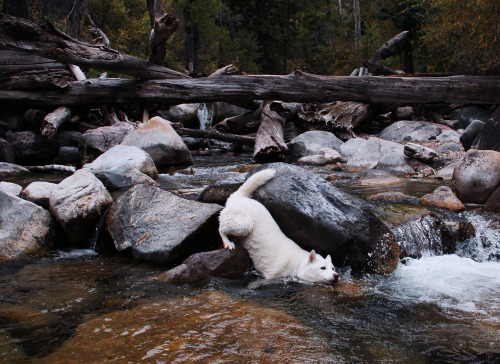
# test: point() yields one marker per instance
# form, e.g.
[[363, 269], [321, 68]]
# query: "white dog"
[[273, 254]]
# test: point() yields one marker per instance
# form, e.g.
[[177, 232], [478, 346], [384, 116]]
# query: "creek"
[[78, 306]]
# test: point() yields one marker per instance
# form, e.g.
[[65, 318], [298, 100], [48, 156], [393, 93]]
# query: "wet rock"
[[378, 178], [26, 320], [419, 152], [6, 152], [489, 137], [38, 193], [493, 202], [397, 197], [164, 229], [325, 156], [77, 203], [316, 215], [376, 153], [161, 142], [407, 130], [219, 191], [11, 170], [443, 197], [12, 188], [449, 135], [26, 229], [104, 138], [470, 133], [122, 167], [477, 176], [11, 351], [216, 263], [446, 173], [311, 142], [210, 327]]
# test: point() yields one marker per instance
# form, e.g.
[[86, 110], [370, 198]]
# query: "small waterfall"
[[98, 233], [485, 244]]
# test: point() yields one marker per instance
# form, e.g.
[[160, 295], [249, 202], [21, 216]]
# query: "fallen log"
[[54, 120], [270, 143], [241, 124], [298, 87], [212, 134], [47, 41]]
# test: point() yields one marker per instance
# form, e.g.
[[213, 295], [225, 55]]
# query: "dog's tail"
[[255, 181]]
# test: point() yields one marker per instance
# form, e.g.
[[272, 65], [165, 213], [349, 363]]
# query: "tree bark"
[[242, 124], [388, 48], [163, 29], [54, 120], [270, 143], [47, 41], [299, 87], [212, 134]]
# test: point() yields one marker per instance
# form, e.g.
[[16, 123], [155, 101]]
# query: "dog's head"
[[318, 269]]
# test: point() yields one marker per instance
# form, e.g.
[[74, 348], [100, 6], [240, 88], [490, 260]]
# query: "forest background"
[[275, 36]]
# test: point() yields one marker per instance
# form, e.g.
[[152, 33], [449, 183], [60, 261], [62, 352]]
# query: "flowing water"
[[82, 307]]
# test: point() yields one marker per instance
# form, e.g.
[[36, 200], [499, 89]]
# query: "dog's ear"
[[329, 258], [312, 256]]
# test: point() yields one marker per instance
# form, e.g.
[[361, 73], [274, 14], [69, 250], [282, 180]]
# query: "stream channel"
[[78, 306]]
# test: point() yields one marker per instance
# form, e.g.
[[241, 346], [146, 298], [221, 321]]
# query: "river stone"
[[158, 226], [215, 263], [470, 133], [26, 229], [211, 327], [311, 142], [161, 142], [493, 202], [218, 192], [77, 202], [443, 197], [317, 215], [12, 188], [446, 173], [124, 166], [420, 152], [106, 137], [449, 135], [376, 153], [6, 152], [11, 170], [406, 130], [477, 175], [38, 193]]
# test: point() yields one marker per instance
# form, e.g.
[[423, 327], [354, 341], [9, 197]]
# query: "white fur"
[[273, 254]]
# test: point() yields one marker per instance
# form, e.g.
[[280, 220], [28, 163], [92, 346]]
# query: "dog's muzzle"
[[335, 277]]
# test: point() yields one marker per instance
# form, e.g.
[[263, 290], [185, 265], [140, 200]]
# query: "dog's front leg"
[[228, 244]]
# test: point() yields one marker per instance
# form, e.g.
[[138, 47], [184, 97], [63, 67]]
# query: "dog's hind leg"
[[236, 223]]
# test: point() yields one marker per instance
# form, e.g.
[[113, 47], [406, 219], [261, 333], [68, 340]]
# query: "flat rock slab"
[[407, 130], [158, 226], [25, 228]]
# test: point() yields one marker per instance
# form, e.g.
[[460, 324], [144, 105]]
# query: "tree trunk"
[[54, 120], [270, 143], [299, 87], [388, 48], [357, 31], [47, 41], [242, 124], [162, 30]]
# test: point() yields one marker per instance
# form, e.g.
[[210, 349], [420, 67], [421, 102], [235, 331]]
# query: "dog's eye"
[[323, 268]]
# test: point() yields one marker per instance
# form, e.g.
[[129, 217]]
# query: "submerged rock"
[[161, 142], [316, 215], [77, 203], [477, 175], [216, 263], [26, 229], [159, 226], [443, 197]]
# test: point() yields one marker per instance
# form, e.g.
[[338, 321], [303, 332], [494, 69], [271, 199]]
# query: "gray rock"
[[11, 170], [216, 263], [446, 173], [376, 153], [161, 142], [477, 176], [26, 229], [6, 152], [465, 115], [77, 202], [219, 191], [493, 202], [106, 137], [443, 197], [124, 166], [407, 130], [311, 142], [449, 135], [470, 133], [38, 193], [12, 188], [420, 152], [316, 215], [451, 147], [158, 226], [489, 137]]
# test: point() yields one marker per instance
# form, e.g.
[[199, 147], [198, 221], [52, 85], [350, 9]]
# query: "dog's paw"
[[229, 246]]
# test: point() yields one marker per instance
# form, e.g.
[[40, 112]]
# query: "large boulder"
[[311, 142], [106, 137], [376, 153], [124, 166], [407, 130], [218, 192], [158, 226], [77, 203], [11, 170], [26, 229], [39, 193], [477, 176], [489, 136], [161, 142], [12, 188], [470, 133], [317, 215]]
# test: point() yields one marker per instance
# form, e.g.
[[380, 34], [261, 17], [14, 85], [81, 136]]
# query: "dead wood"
[[388, 48], [163, 29], [212, 134], [54, 120], [246, 123], [270, 143]]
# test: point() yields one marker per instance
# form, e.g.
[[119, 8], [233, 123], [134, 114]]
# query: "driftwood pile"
[[41, 71]]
